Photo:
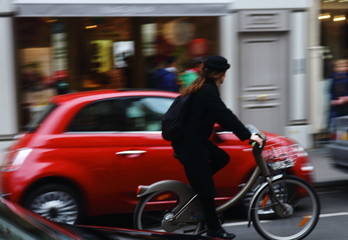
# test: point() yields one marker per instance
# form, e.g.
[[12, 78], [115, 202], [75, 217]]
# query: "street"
[[332, 224]]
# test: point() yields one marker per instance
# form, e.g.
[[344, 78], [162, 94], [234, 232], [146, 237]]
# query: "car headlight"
[[14, 159]]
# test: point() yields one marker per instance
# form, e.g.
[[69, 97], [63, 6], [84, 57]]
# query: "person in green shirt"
[[192, 74]]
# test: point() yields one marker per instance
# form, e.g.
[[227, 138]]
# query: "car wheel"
[[56, 202]]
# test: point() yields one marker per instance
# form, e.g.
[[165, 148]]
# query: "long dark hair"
[[199, 82]]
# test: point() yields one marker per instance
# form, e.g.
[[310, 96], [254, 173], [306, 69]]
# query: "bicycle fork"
[[282, 209]]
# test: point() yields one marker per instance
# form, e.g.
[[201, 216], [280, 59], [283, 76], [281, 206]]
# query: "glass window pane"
[[99, 116], [144, 114]]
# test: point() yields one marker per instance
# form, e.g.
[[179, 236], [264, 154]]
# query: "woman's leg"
[[198, 170], [201, 181], [218, 158]]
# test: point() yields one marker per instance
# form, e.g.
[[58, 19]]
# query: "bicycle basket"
[[279, 156]]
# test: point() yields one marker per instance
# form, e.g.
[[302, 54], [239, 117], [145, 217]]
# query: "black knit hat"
[[216, 63]]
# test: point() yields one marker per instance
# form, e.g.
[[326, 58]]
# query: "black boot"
[[221, 233]]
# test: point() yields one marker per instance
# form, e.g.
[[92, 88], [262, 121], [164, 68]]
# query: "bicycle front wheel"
[[156, 212], [294, 218]]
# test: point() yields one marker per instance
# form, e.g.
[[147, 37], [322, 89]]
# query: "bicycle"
[[282, 207]]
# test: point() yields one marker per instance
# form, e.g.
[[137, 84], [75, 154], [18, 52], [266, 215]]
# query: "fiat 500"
[[87, 152]]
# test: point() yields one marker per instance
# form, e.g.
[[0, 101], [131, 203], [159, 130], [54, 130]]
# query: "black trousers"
[[201, 162]]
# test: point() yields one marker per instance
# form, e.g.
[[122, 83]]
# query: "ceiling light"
[[91, 26], [339, 18], [324, 16]]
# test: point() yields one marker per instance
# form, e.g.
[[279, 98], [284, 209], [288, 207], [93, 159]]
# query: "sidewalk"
[[325, 173]]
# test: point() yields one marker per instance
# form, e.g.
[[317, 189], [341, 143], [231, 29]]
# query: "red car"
[[88, 152]]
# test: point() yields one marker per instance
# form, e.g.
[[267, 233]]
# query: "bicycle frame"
[[246, 188], [188, 196]]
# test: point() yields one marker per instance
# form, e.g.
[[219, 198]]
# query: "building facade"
[[272, 45]]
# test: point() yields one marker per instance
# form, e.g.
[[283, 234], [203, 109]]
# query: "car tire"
[[56, 202]]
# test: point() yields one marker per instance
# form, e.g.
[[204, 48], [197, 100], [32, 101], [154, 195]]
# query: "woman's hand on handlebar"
[[256, 138]]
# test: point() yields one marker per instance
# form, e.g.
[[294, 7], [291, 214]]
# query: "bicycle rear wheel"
[[155, 212], [302, 209]]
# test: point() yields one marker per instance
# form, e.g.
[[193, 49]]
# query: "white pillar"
[[319, 103], [298, 128], [318, 111], [8, 110], [298, 81], [228, 49]]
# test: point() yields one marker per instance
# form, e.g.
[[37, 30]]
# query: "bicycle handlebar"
[[257, 151], [253, 130]]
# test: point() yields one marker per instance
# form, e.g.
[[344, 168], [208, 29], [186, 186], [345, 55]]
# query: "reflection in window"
[[99, 116], [129, 114], [144, 114]]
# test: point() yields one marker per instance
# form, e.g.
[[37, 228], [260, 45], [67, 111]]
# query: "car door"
[[123, 148], [142, 156]]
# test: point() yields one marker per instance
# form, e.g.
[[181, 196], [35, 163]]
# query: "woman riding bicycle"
[[199, 156]]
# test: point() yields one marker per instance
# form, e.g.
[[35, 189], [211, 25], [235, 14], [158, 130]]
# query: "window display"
[[88, 53]]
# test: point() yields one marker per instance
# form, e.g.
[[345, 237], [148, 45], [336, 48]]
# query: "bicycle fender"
[[182, 189], [259, 189]]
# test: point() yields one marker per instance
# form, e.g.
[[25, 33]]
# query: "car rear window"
[[39, 118]]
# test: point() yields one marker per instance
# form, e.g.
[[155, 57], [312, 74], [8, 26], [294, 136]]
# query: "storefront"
[[79, 45], [334, 40], [86, 46], [334, 27], [88, 53]]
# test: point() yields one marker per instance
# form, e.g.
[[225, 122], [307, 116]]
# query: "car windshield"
[[39, 117]]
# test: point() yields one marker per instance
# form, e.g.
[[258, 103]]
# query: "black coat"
[[200, 157], [206, 109]]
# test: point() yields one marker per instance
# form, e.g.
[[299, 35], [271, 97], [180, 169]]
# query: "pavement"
[[326, 174]]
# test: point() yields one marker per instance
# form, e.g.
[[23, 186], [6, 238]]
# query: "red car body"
[[104, 168]]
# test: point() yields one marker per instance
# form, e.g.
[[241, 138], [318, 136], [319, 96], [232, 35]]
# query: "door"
[[263, 76], [117, 144]]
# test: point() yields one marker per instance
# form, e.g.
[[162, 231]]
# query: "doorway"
[[263, 80]]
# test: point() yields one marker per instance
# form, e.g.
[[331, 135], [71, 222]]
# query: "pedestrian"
[[200, 157], [166, 78], [190, 75], [338, 91]]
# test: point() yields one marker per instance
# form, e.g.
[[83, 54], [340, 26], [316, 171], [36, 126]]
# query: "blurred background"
[[281, 54]]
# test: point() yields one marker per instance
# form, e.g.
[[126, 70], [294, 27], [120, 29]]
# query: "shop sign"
[[95, 9], [128, 9]]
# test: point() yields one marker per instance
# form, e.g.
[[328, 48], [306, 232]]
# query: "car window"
[[99, 116], [127, 114], [144, 114]]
